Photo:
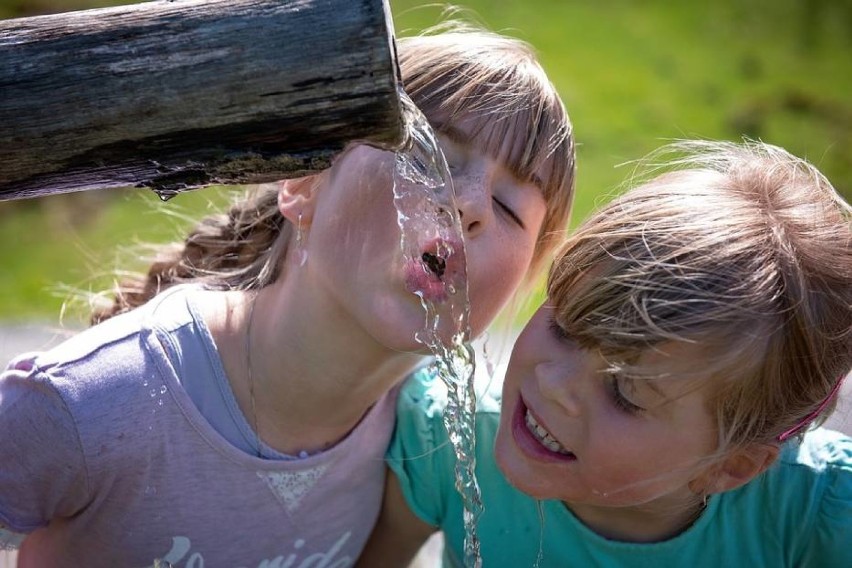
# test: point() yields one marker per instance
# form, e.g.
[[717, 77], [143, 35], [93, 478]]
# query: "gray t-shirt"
[[108, 462]]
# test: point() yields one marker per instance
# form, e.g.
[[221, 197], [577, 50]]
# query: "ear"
[[297, 197], [741, 466]]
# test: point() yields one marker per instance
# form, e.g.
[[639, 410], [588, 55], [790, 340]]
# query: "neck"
[[643, 523], [312, 379]]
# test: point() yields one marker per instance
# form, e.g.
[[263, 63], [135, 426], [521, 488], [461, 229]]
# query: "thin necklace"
[[257, 443], [250, 379]]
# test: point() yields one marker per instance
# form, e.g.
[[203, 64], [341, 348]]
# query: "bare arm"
[[398, 534]]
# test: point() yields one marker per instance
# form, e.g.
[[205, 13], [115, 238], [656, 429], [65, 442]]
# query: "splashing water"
[[432, 241]]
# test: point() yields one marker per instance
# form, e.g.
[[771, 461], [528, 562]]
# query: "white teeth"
[[544, 436]]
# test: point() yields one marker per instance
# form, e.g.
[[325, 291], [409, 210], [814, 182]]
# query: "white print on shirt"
[[181, 546], [291, 487]]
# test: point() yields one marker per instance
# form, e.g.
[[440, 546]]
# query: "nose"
[[473, 197], [560, 384]]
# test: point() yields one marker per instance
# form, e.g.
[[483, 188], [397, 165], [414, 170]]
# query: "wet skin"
[[354, 251]]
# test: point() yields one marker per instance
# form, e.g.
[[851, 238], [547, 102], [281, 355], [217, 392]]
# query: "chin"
[[402, 342], [517, 469], [394, 325], [509, 461], [521, 478]]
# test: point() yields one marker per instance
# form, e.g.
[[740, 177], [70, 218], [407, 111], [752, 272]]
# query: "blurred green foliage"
[[633, 74]]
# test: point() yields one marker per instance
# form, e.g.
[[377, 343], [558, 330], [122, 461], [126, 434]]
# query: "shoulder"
[[424, 397], [44, 468], [420, 453], [807, 496], [424, 393], [821, 451], [826, 458], [77, 367], [419, 416], [822, 464], [97, 378], [85, 344], [112, 349], [811, 469]]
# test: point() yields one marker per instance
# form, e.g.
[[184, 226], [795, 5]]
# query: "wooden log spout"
[[177, 94]]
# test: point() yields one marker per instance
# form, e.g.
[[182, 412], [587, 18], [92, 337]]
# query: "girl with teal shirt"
[[659, 408]]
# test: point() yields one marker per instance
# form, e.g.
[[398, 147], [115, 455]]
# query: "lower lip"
[[424, 283], [529, 444]]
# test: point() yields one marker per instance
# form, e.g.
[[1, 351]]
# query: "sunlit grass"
[[65, 243]]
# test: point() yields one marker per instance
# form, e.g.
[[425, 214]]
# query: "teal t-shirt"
[[798, 513]]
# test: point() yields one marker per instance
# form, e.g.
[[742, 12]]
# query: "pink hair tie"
[[812, 416]]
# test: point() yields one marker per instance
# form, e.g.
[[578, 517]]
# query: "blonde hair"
[[457, 72], [742, 249], [454, 71]]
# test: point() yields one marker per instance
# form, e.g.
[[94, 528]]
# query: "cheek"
[[362, 181], [512, 465], [635, 462], [499, 269], [487, 298]]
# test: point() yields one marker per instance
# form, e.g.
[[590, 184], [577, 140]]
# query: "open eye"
[[618, 397], [509, 212]]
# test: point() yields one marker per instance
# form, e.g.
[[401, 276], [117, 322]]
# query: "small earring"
[[301, 252], [702, 492]]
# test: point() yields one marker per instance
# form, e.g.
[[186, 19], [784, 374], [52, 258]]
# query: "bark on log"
[[176, 94]]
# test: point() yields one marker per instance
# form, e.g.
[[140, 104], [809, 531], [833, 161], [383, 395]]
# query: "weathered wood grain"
[[187, 93]]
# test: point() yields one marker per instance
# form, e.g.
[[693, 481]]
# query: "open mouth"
[[434, 263], [544, 437], [434, 274], [535, 440]]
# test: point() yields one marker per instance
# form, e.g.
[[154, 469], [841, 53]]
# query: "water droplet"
[[163, 389], [153, 393], [164, 193], [540, 555]]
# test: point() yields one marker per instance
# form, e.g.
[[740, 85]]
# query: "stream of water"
[[427, 213]]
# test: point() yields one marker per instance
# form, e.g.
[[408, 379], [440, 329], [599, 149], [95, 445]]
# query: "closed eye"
[[452, 164], [509, 212], [621, 401]]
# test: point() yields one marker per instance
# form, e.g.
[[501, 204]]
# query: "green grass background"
[[633, 74]]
